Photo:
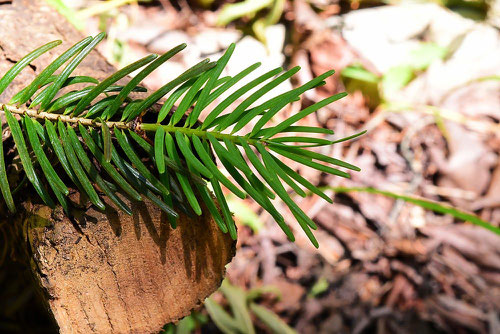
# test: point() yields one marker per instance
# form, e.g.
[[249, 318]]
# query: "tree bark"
[[107, 272]]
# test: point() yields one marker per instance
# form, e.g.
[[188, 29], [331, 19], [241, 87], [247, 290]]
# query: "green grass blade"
[[84, 102], [28, 92], [300, 115], [17, 135], [61, 78], [77, 168], [214, 75], [139, 77], [182, 143], [112, 172], [4, 183], [237, 94], [205, 158], [424, 203], [25, 61], [183, 180]]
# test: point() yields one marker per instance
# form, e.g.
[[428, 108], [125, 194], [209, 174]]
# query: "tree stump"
[[107, 272]]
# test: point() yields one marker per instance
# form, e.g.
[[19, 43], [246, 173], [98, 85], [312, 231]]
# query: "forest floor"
[[424, 82]]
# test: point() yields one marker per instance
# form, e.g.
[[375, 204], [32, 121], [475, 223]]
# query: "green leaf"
[[240, 109], [304, 221], [182, 143], [25, 61], [277, 103], [70, 81], [93, 173], [169, 103], [271, 320], [230, 83], [62, 78], [142, 184], [106, 138], [221, 318], [223, 153], [312, 164], [231, 12], [77, 168], [396, 78], [84, 102], [61, 155], [194, 71], [214, 75], [297, 177], [238, 303], [183, 180], [4, 182], [168, 162], [136, 161], [160, 149], [25, 94], [228, 217], [212, 208], [17, 135], [57, 185], [349, 138], [47, 168], [300, 115], [188, 99], [139, 77], [300, 139], [422, 57], [112, 172], [359, 73], [313, 155], [205, 158], [234, 96], [307, 129]]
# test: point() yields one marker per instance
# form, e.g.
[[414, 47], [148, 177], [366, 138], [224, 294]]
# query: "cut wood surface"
[[108, 272]]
